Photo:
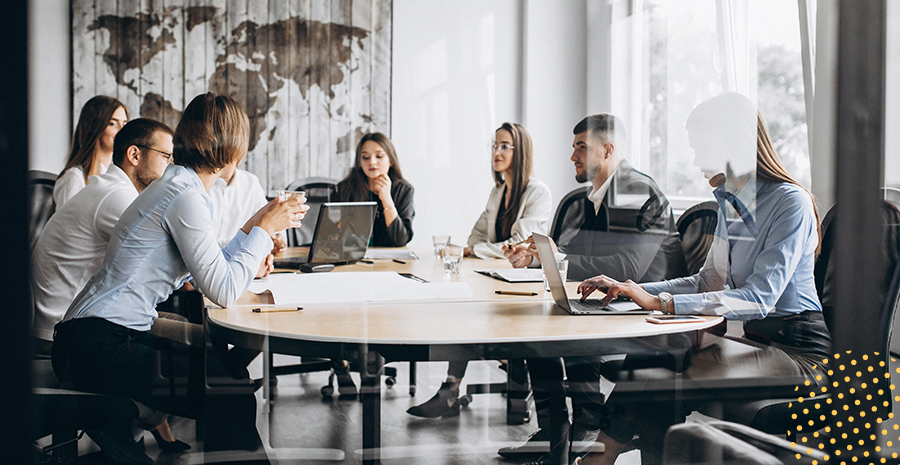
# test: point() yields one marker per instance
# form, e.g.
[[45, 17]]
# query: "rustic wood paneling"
[[313, 75]]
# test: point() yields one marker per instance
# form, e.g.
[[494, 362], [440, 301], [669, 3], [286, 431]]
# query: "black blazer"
[[637, 242], [400, 232]]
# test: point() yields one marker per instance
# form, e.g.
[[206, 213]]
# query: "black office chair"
[[774, 415], [40, 194], [318, 191], [696, 229]]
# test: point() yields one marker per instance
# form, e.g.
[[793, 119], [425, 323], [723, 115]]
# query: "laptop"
[[343, 231], [576, 306]]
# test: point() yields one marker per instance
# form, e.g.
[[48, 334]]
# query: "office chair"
[[318, 191], [773, 415], [696, 228], [40, 197]]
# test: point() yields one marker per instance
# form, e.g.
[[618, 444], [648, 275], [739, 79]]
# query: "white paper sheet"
[[348, 287], [515, 275], [388, 253]]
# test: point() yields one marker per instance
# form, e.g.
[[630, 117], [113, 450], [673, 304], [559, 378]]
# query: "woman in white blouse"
[[519, 205], [92, 145]]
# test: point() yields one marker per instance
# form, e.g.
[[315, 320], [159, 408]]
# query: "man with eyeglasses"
[[619, 225], [73, 243]]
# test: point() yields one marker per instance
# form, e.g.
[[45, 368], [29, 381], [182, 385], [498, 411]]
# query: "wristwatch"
[[665, 303]]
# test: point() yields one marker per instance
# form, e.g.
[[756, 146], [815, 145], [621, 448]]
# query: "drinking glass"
[[284, 195], [452, 257], [563, 267], [439, 243]]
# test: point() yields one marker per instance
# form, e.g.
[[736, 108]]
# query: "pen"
[[517, 243], [274, 310], [399, 261], [515, 293]]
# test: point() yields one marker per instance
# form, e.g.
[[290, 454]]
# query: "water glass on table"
[[284, 195], [439, 243], [452, 258], [563, 266]]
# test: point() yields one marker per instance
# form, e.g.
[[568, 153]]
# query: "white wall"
[[456, 78], [49, 127]]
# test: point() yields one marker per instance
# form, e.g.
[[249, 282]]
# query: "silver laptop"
[[576, 306]]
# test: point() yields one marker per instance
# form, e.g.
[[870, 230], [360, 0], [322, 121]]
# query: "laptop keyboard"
[[588, 306]]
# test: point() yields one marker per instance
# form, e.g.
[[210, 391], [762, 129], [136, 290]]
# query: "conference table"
[[484, 325]]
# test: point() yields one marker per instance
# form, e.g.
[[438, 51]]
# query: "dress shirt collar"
[[596, 196]]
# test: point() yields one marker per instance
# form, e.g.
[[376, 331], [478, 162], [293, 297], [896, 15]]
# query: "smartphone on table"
[[670, 319]]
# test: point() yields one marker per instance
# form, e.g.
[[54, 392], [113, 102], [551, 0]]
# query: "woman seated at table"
[[92, 145], [376, 177], [759, 269], [161, 241], [518, 206]]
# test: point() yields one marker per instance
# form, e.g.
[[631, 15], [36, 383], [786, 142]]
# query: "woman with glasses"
[[92, 145], [518, 206]]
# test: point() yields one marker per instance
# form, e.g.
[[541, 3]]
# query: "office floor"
[[302, 428]]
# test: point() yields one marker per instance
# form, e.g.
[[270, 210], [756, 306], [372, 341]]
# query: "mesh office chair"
[[40, 194], [318, 191]]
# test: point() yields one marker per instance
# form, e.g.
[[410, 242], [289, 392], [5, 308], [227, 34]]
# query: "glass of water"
[[439, 243], [452, 258], [284, 195], [563, 267]]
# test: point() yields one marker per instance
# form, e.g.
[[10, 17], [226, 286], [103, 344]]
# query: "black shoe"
[[537, 444], [346, 386], [175, 446], [118, 446], [444, 404]]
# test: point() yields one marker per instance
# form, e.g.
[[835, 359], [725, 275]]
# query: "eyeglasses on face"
[[502, 147], [165, 154]]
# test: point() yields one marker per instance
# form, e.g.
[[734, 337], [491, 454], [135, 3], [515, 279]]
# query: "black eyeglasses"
[[166, 154]]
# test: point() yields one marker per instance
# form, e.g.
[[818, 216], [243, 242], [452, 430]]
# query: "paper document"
[[347, 287], [399, 253], [515, 275]]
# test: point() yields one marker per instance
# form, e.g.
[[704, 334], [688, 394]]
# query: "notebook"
[[514, 275], [576, 306], [342, 234]]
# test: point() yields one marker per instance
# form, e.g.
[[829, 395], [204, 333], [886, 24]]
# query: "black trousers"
[[583, 380], [98, 356]]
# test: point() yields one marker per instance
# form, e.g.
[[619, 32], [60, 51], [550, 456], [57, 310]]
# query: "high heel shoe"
[[444, 404], [167, 446]]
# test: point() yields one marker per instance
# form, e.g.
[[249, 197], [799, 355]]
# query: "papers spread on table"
[[398, 253], [515, 275], [364, 286]]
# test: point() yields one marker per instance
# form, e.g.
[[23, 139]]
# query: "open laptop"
[[576, 306], [342, 234]]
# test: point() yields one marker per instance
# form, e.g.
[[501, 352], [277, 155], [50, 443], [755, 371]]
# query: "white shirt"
[[164, 237], [73, 243], [234, 204], [597, 195], [535, 209], [70, 183]]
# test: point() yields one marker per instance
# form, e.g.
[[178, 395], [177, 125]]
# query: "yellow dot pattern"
[[857, 402]]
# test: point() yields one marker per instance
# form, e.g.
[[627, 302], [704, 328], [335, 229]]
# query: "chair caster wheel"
[[465, 400], [327, 391], [390, 381], [412, 391]]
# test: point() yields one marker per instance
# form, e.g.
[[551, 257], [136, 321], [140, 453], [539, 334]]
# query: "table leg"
[[518, 393], [370, 393]]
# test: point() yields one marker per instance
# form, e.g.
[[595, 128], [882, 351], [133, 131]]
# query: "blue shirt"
[[750, 276], [164, 237]]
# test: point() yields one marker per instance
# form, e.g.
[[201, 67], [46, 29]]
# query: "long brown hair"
[[355, 187], [92, 122], [521, 173], [769, 168]]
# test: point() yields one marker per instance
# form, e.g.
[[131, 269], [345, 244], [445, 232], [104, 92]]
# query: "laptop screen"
[[342, 232], [548, 264]]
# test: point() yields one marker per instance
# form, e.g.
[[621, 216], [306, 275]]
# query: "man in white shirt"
[[72, 245], [236, 196]]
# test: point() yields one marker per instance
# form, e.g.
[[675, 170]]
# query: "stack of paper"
[[515, 275], [364, 286]]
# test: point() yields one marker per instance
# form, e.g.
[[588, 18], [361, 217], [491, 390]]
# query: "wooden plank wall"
[[313, 75]]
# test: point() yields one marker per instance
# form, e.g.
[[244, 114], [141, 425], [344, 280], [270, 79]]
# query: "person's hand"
[[280, 243], [266, 267], [520, 256], [277, 216], [615, 289], [381, 186], [468, 252]]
